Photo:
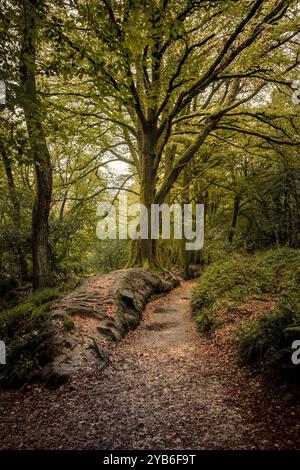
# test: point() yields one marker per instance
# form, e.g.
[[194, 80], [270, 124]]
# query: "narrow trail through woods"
[[162, 390]]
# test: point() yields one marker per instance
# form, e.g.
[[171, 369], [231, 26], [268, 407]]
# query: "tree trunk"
[[236, 209], [169, 158], [147, 198], [39, 149], [16, 214], [184, 254]]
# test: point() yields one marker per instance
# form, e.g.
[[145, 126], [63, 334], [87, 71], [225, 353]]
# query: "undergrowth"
[[272, 274], [268, 339], [25, 329]]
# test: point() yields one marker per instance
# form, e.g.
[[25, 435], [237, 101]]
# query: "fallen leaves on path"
[[168, 387]]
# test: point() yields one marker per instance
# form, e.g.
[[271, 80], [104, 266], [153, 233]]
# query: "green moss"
[[68, 322], [42, 296], [26, 332]]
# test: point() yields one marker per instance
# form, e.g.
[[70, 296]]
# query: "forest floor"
[[167, 387]]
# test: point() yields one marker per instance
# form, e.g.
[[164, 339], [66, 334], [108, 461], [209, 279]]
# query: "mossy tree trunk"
[[147, 245], [184, 254]]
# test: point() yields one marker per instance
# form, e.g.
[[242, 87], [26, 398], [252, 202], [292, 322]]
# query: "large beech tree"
[[149, 61]]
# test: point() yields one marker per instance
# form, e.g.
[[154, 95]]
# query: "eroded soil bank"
[[100, 311]]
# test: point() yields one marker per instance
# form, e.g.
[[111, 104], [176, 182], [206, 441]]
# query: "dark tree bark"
[[39, 149], [16, 213], [236, 209]]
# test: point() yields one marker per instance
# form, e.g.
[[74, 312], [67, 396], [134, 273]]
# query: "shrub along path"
[[167, 387]]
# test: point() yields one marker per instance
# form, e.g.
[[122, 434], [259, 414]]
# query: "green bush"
[[270, 336], [266, 273], [227, 280], [25, 330], [42, 296]]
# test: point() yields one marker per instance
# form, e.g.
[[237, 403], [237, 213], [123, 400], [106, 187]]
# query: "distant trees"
[[254, 195]]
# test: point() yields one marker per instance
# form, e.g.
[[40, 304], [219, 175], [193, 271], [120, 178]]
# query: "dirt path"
[[163, 390]]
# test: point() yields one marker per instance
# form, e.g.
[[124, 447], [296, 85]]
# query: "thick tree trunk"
[[40, 152], [147, 198], [40, 232], [184, 254], [169, 158]]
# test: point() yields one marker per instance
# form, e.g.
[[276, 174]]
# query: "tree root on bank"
[[102, 355]]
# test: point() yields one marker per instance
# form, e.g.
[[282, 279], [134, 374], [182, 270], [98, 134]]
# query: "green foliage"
[[42, 296], [25, 330], [266, 273], [97, 89], [275, 273], [269, 338], [108, 255], [231, 279]]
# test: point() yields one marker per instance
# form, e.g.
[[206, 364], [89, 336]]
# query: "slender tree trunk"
[[39, 149], [16, 215], [236, 209], [10, 183]]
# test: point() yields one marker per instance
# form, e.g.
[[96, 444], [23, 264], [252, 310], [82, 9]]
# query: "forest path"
[[164, 389]]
